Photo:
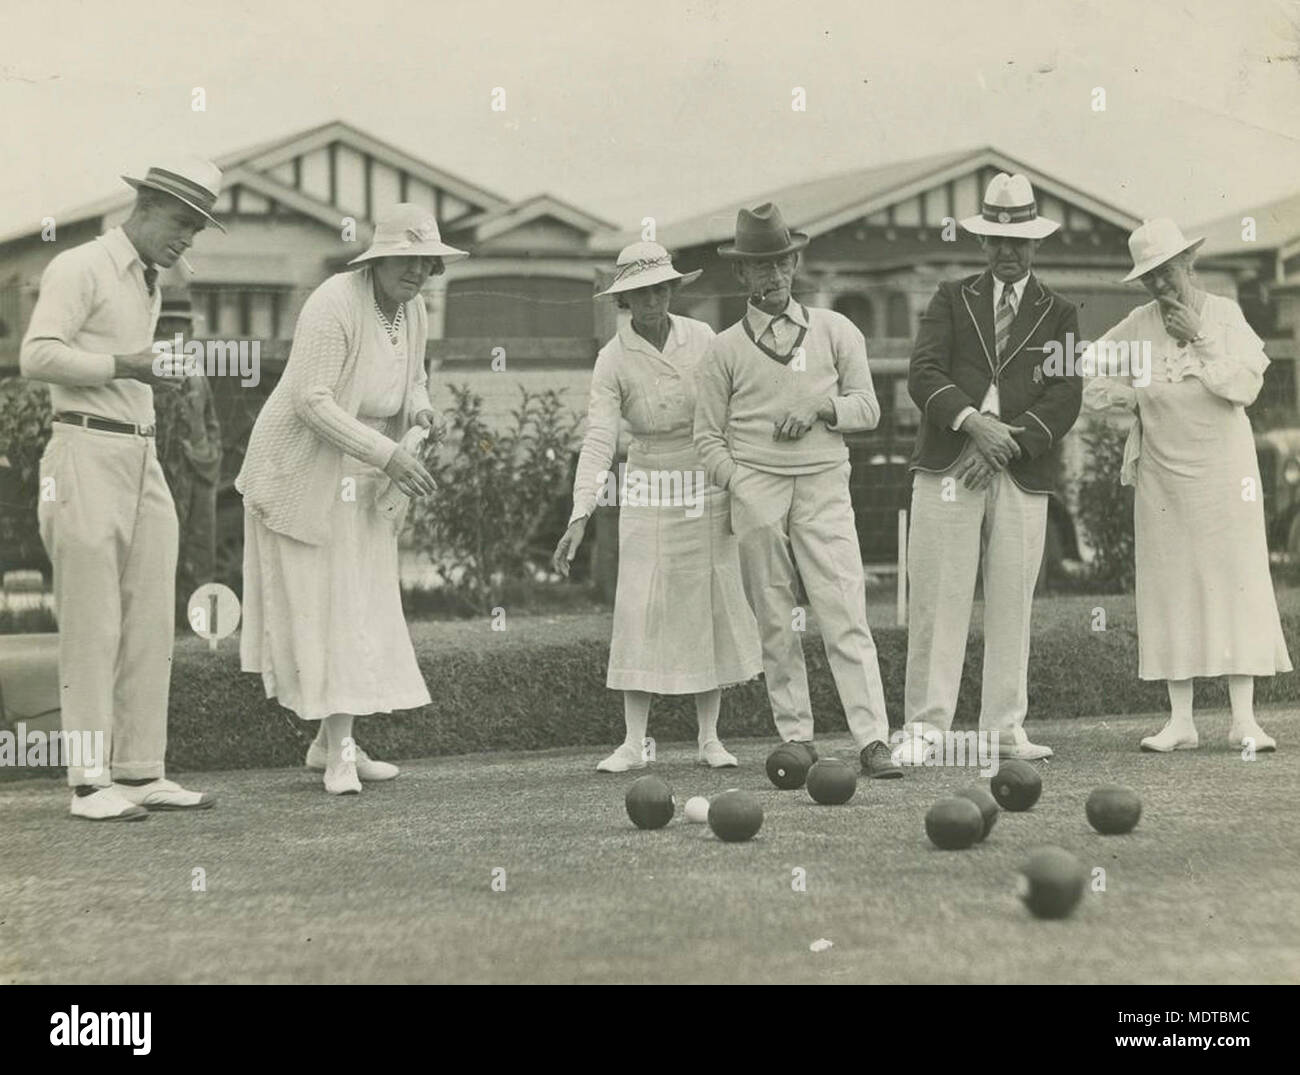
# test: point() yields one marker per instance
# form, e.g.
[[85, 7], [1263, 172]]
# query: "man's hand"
[[976, 472], [1181, 321], [425, 418], [140, 367], [795, 422], [992, 439]]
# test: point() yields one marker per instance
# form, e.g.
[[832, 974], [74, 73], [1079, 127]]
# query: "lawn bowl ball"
[[832, 782], [1051, 882], [1016, 785], [983, 798], [697, 809], [649, 802], [1113, 810], [787, 766], [954, 823], [735, 816]]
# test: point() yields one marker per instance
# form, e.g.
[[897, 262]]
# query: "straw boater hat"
[[644, 265], [1154, 243], [192, 180], [408, 231], [761, 233], [1009, 209]]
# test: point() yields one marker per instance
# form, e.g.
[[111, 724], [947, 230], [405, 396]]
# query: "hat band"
[[178, 184], [636, 268], [1009, 214], [765, 242]]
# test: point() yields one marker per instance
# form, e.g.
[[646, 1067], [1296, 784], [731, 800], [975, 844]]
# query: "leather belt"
[[89, 421]]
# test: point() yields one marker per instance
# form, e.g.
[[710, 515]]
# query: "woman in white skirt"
[[1205, 603], [323, 621], [681, 621]]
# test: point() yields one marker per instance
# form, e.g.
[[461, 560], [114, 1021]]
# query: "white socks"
[[636, 715], [336, 729], [707, 706], [1241, 696], [1180, 704]]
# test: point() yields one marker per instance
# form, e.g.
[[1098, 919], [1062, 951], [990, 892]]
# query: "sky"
[[665, 109]]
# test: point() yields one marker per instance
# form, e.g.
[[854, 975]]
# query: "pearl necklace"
[[392, 328]]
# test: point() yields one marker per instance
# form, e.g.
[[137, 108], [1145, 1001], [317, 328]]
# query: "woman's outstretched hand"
[[409, 475], [567, 547]]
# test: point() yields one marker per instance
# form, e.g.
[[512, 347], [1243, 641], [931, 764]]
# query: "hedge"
[[509, 690]]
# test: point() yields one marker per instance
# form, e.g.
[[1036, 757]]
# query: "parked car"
[[1278, 451]]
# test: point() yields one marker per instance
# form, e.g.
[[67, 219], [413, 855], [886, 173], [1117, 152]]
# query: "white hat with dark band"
[[644, 265], [192, 180], [1010, 209]]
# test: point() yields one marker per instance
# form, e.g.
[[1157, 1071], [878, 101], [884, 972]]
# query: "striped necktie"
[[151, 277], [1006, 313]]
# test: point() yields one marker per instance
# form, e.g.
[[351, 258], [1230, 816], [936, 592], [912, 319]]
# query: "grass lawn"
[[394, 885], [1051, 613]]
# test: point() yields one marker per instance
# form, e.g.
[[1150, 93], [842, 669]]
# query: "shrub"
[[496, 488], [1106, 508], [24, 432]]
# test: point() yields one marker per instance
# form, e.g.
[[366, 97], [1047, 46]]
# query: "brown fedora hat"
[[761, 233]]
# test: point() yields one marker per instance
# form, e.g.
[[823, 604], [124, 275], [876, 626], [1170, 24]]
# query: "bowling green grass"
[[395, 885]]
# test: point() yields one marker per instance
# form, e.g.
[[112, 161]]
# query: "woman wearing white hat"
[[681, 621], [323, 620], [1205, 602]]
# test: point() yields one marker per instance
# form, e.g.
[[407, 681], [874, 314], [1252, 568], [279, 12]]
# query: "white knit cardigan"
[[291, 473]]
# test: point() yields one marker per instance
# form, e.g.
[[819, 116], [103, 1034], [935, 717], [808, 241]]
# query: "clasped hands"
[[801, 417], [995, 447]]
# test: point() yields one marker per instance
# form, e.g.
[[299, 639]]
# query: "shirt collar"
[[1019, 287], [632, 341], [760, 319], [121, 250]]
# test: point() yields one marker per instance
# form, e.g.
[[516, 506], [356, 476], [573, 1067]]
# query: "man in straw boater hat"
[[106, 517], [982, 473], [776, 394]]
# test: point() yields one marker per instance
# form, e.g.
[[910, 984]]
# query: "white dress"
[[1205, 603], [333, 635], [681, 621]]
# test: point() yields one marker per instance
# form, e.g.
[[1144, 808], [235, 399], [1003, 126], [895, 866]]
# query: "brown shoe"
[[877, 762]]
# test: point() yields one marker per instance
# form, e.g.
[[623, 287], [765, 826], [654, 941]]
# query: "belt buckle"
[[145, 431]]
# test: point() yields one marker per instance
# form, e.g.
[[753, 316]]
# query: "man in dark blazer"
[[991, 417]]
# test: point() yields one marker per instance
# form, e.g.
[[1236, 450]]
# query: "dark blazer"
[[954, 361]]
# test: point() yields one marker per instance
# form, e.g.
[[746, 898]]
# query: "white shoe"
[[1169, 739], [1016, 745], [106, 805], [341, 779], [922, 741], [716, 756], [628, 756], [163, 794], [1264, 743], [367, 767]]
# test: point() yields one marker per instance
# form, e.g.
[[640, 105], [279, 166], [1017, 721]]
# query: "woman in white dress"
[[323, 621], [681, 621], [1205, 602]]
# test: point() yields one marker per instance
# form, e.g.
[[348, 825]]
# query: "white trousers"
[[804, 523], [109, 527], [951, 530]]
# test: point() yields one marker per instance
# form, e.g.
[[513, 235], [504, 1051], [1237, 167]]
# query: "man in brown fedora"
[[775, 395], [982, 470], [106, 517]]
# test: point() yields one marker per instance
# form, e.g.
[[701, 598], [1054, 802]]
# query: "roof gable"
[[327, 173], [1277, 228], [918, 193]]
